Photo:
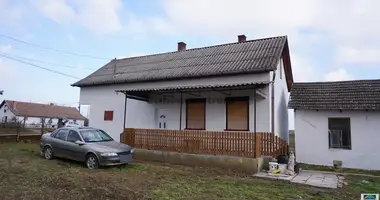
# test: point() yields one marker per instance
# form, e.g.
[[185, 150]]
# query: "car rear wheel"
[[48, 153], [92, 162]]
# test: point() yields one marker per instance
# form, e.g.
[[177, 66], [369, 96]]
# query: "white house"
[[237, 86], [30, 114], [337, 121]]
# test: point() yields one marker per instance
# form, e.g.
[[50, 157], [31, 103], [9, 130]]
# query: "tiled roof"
[[186, 87], [252, 56], [43, 110], [342, 95]]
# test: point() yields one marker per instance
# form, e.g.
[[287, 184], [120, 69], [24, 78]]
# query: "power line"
[[45, 62], [52, 49], [38, 66]]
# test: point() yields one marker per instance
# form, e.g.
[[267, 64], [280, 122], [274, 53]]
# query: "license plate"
[[125, 158]]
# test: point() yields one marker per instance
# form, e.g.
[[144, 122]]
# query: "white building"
[[337, 121], [238, 86], [31, 114]]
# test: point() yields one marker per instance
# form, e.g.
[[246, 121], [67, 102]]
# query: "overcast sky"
[[329, 40]]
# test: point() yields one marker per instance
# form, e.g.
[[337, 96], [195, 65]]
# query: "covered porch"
[[213, 107]]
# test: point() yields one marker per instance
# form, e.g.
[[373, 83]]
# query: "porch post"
[[254, 125], [180, 112], [125, 110]]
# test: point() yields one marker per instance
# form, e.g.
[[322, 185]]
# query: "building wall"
[[142, 114], [312, 144], [281, 97]]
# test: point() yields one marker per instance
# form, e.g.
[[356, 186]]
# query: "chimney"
[[181, 46], [242, 38]]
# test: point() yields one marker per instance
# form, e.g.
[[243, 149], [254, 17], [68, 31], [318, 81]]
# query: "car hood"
[[110, 146]]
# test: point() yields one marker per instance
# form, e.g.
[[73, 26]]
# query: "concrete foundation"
[[242, 164]]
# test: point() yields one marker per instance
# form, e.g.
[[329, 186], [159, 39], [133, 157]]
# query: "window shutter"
[[195, 114], [237, 113], [108, 115]]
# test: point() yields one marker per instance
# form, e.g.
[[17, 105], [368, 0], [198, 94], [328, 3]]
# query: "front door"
[[162, 119]]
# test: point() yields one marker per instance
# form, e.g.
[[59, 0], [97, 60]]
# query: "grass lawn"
[[24, 175]]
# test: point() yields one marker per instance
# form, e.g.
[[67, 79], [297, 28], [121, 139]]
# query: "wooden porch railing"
[[234, 143]]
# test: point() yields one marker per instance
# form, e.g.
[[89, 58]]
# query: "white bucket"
[[273, 166], [282, 168]]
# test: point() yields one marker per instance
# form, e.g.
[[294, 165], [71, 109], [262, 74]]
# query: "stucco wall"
[[312, 144], [281, 121], [143, 115]]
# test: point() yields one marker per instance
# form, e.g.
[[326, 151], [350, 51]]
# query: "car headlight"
[[132, 150], [108, 154]]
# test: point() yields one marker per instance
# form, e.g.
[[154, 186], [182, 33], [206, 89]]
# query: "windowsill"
[[195, 129], [236, 130], [339, 149]]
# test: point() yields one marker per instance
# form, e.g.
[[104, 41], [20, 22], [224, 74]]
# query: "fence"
[[23, 129], [234, 143]]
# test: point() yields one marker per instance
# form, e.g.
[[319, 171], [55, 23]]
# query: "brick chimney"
[[181, 46], [242, 38]]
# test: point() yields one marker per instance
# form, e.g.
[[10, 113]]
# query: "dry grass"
[[24, 175]]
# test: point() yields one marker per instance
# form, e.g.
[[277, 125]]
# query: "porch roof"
[[195, 87]]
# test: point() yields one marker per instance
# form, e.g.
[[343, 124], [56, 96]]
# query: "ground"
[[25, 175]]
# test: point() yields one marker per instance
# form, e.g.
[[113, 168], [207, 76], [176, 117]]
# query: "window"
[[61, 134], [73, 136], [95, 135], [196, 114], [237, 113], [339, 133], [108, 115]]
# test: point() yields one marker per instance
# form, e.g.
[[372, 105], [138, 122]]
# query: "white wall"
[[139, 115], [281, 121], [7, 114], [312, 144]]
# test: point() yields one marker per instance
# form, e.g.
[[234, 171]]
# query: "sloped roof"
[[28, 109], [341, 95], [252, 56]]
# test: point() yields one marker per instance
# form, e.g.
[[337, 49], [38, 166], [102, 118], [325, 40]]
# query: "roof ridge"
[[332, 82], [205, 47], [38, 103]]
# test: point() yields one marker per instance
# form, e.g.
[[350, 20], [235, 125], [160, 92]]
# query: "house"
[[337, 121], [240, 86], [31, 114]]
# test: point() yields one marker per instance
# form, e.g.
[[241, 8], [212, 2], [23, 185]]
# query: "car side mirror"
[[78, 142]]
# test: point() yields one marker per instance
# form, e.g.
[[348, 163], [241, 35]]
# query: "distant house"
[[337, 121], [31, 114], [240, 86]]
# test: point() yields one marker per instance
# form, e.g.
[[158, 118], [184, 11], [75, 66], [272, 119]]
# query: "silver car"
[[90, 145]]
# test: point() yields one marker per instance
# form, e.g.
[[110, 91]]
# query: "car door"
[[58, 143], [72, 150]]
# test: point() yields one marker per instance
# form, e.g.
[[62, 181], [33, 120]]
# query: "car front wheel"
[[92, 162], [48, 153]]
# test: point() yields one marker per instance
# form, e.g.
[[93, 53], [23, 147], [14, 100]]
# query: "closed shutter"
[[195, 114], [237, 113]]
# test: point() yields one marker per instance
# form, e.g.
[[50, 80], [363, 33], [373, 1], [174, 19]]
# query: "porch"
[[222, 107]]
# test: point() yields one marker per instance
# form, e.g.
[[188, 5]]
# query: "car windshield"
[[95, 135]]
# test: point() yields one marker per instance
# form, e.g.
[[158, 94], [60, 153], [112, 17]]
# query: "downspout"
[[180, 113], [272, 102]]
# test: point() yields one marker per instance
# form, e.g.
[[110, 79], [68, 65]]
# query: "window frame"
[[75, 132], [55, 136], [105, 114], [231, 99], [349, 147], [204, 113]]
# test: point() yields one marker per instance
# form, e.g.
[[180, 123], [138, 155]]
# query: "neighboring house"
[[31, 114], [337, 121], [237, 86]]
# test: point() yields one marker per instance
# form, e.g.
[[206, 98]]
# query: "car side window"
[[73, 136], [61, 134]]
